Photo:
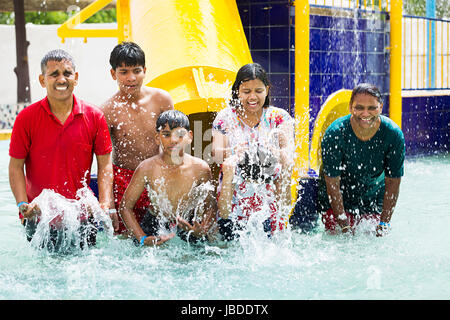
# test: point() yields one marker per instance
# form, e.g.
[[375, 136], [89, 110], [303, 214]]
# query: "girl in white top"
[[254, 144]]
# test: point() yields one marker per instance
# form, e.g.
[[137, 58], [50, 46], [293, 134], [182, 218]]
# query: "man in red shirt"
[[53, 142]]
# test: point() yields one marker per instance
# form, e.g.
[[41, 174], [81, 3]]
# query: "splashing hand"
[[115, 221], [29, 211], [159, 240], [381, 230], [197, 229]]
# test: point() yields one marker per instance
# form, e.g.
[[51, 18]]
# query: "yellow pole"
[[301, 93], [123, 20], [395, 100], [442, 54]]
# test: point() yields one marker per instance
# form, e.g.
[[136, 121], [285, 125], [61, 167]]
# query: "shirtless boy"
[[172, 174], [131, 116]]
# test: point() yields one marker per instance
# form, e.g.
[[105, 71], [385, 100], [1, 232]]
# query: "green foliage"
[[46, 17], [5, 18], [443, 9], [57, 17], [103, 16], [419, 8]]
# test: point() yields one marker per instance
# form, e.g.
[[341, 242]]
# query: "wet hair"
[[128, 53], [56, 55], [366, 88], [174, 118], [249, 72]]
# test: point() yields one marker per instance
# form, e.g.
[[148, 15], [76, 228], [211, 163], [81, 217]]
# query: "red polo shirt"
[[58, 156]]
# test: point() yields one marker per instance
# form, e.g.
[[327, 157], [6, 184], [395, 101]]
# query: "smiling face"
[[252, 95], [129, 78], [365, 112], [59, 79]]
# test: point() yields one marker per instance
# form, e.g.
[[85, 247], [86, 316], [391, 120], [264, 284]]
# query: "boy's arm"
[[130, 197], [209, 216], [106, 108], [105, 179]]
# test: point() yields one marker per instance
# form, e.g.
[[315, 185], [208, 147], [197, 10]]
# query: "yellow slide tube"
[[193, 49], [336, 106]]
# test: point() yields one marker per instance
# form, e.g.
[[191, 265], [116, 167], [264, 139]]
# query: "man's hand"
[[29, 211], [382, 230]]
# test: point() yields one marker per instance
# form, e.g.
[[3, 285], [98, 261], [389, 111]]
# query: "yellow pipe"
[[442, 54], [67, 29], [418, 54], [395, 98], [123, 20], [424, 60], [301, 94], [411, 53], [429, 55]]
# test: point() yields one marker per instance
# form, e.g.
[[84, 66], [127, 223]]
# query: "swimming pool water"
[[410, 263]]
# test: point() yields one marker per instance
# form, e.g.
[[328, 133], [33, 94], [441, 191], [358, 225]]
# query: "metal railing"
[[426, 53], [425, 45]]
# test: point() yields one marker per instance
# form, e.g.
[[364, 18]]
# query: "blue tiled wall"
[[267, 25], [426, 124], [344, 51]]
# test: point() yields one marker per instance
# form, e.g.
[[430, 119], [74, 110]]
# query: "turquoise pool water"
[[412, 262]]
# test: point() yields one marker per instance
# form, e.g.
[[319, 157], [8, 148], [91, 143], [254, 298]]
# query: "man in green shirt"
[[362, 164]]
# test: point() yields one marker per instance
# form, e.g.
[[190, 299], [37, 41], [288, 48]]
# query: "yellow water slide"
[[336, 106], [193, 48]]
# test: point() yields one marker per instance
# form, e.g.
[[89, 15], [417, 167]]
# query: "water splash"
[[67, 225], [191, 207]]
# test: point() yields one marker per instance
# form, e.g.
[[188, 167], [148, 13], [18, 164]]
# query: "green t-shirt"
[[362, 165]]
